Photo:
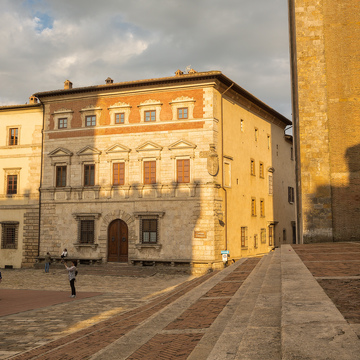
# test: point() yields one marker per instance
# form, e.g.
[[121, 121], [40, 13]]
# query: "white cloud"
[[45, 42]]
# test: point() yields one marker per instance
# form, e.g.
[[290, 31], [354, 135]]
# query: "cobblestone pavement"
[[101, 295], [81, 334], [336, 267]]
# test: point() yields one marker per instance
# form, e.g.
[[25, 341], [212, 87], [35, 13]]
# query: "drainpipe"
[[222, 162], [41, 172]]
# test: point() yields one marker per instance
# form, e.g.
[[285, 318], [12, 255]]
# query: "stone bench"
[[80, 260]]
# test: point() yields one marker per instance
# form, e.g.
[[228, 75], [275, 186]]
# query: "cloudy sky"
[[45, 42]]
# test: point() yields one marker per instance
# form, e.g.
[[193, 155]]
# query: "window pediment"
[[182, 144], [183, 102], [60, 152], [149, 146], [88, 150], [117, 148]]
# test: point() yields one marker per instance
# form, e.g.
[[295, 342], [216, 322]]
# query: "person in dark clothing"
[[72, 274]]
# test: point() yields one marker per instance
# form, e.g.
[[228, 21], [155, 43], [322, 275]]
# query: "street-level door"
[[118, 241]]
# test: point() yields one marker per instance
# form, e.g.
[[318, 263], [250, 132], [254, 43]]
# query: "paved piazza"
[[101, 294]]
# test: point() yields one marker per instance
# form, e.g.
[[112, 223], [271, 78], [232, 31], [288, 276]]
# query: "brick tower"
[[325, 58]]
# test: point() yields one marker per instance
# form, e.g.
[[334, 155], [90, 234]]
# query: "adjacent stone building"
[[160, 171], [325, 54], [171, 170], [20, 159]]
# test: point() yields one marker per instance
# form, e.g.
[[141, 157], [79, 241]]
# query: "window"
[[13, 136], [89, 175], [62, 123], [60, 176], [262, 207], [241, 125], [263, 236], [119, 118], [9, 234], [243, 232], [261, 170], [256, 134], [252, 167], [268, 141], [270, 184], [87, 231], [119, 173], [183, 170], [291, 195], [12, 181], [149, 172], [255, 241], [253, 206], [271, 234], [90, 120], [150, 115], [284, 235], [149, 231], [182, 113], [227, 174]]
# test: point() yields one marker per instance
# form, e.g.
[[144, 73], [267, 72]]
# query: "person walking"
[[72, 274], [64, 254], [47, 262]]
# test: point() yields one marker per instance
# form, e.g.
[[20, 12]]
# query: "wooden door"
[[118, 241]]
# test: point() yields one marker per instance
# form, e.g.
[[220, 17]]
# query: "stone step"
[[312, 326], [262, 337], [239, 315]]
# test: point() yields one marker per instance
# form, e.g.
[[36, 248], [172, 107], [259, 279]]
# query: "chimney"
[[67, 85], [109, 80], [33, 100]]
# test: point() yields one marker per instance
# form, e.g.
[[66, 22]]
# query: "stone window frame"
[[261, 170], [149, 151], [256, 241], [118, 154], [62, 159], [8, 128], [121, 161], [180, 158], [253, 206], [244, 237], [182, 102], [149, 215], [89, 158], [56, 175], [252, 167], [182, 150], [263, 235], [227, 164], [90, 111], [79, 217], [12, 171], [117, 108], [4, 225], [262, 207], [61, 114], [150, 105], [291, 195], [271, 234]]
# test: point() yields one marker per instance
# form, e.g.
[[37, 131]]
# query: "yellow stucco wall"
[[23, 160]]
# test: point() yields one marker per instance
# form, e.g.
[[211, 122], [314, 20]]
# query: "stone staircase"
[[281, 312]]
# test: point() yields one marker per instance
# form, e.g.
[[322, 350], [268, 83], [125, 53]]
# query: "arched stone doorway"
[[118, 241]]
